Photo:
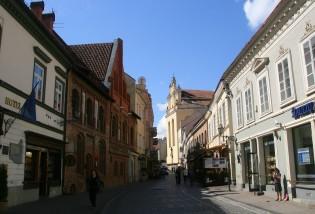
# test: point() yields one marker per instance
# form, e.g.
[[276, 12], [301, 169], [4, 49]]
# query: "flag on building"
[[28, 110]]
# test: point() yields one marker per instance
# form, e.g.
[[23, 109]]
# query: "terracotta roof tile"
[[199, 93], [95, 56]]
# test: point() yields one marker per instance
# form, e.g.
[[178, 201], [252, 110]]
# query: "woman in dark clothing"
[[93, 187], [277, 181]]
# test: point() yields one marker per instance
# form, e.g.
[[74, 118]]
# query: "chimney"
[[37, 8], [48, 19]]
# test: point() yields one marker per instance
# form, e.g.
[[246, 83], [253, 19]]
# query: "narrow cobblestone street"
[[158, 196]]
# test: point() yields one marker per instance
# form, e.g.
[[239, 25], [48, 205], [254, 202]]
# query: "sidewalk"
[[78, 203], [256, 203]]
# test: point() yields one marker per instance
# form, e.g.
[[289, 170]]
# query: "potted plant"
[[3, 187]]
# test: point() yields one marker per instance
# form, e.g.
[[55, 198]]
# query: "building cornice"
[[274, 26]]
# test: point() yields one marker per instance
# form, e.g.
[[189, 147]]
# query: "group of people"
[[185, 173], [278, 188]]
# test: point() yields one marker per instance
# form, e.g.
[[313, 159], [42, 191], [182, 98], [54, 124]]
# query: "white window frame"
[[214, 126], [264, 74], [40, 87], [239, 112], [59, 95], [308, 89], [223, 114], [249, 120], [291, 99]]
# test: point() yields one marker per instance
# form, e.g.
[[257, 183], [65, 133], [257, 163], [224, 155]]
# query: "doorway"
[[43, 187]]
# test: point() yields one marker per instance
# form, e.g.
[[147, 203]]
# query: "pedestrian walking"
[[178, 175], [191, 176], [93, 187], [277, 181], [185, 174]]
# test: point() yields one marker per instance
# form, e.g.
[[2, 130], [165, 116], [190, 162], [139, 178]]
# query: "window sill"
[[288, 102], [310, 91], [265, 114], [249, 122]]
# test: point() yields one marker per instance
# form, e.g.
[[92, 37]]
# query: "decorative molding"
[[283, 21], [238, 91], [259, 64], [309, 29], [247, 82], [41, 54], [61, 72], [282, 51]]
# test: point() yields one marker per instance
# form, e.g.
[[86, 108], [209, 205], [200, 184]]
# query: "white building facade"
[[31, 150], [272, 81]]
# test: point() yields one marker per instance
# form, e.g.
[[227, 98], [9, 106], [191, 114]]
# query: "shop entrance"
[[253, 176], [43, 187]]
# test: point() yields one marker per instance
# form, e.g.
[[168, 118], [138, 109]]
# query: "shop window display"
[[304, 154], [270, 159]]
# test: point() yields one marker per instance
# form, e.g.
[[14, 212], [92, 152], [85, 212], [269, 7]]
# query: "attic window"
[[259, 64]]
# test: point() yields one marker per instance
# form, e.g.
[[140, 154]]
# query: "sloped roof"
[[199, 93], [189, 123], [95, 56], [201, 97]]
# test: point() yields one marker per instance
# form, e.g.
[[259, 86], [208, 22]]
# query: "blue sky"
[[196, 40]]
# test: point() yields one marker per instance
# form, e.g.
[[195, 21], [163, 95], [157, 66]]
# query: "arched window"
[[121, 168], [124, 132], [115, 168], [101, 118], [102, 157], [114, 126], [89, 112], [80, 153], [75, 104], [131, 136]]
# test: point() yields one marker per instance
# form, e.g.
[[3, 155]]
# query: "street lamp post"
[[228, 140]]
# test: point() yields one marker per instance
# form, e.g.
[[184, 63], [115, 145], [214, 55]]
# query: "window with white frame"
[[214, 126], [249, 105], [309, 60], [239, 111], [220, 117], [264, 94], [223, 114], [39, 81], [285, 80], [59, 95]]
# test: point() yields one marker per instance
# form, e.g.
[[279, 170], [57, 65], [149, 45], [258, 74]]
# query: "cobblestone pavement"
[[164, 196], [158, 196]]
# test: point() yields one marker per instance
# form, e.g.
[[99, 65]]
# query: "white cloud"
[[162, 106], [161, 128], [256, 11]]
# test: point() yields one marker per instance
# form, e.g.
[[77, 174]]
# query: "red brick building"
[[88, 119], [106, 61]]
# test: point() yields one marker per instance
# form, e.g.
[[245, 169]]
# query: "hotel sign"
[[303, 110], [13, 103]]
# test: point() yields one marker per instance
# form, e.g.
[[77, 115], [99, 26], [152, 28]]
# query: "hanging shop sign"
[[303, 110], [215, 163]]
